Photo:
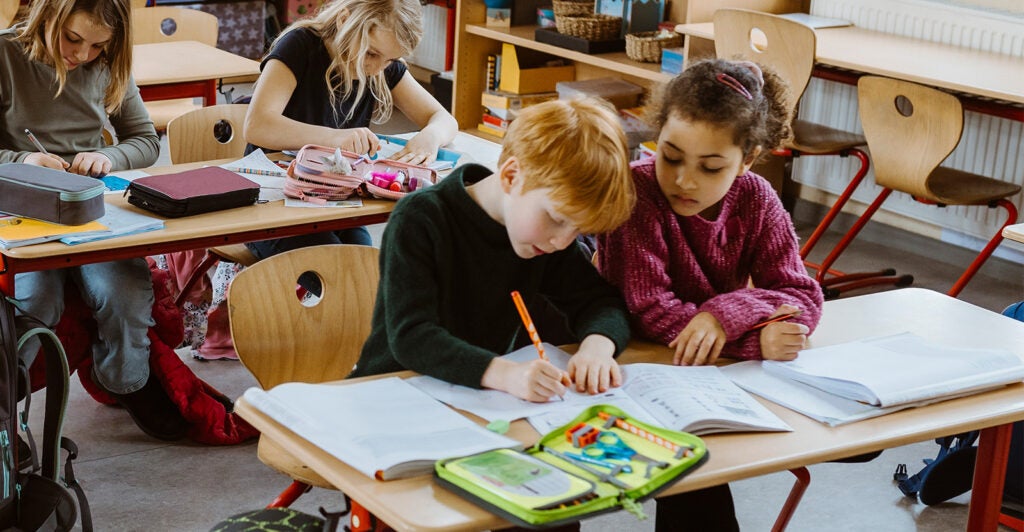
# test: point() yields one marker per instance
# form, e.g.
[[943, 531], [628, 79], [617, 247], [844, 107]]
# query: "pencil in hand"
[[780, 317], [532, 330]]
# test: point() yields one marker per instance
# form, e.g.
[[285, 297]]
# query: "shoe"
[[153, 411]]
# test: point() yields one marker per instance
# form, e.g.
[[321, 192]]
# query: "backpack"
[[34, 496]]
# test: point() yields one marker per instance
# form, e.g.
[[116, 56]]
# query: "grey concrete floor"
[[136, 483]]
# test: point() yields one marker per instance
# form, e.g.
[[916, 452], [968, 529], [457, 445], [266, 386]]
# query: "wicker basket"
[[590, 27], [647, 46], [570, 8]]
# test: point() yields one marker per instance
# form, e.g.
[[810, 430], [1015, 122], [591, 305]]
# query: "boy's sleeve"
[[778, 276], [409, 251], [590, 303]]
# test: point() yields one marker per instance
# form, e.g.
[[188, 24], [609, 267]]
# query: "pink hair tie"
[[732, 83]]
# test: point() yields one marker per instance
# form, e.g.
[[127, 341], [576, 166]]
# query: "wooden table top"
[[974, 72], [184, 61]]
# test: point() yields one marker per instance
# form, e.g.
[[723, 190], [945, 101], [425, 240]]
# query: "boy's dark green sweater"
[[447, 270]]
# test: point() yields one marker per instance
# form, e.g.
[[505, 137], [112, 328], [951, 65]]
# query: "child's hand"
[[536, 380], [593, 368], [47, 160], [359, 140], [700, 342], [90, 164], [783, 340], [421, 149]]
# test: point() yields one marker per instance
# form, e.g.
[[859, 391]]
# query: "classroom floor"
[[134, 482]]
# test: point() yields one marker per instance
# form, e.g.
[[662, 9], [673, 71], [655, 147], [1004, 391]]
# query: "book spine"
[[491, 130], [491, 66]]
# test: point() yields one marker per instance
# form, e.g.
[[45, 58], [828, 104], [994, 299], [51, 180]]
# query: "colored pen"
[[528, 322], [255, 171], [532, 329], [780, 317], [35, 142]]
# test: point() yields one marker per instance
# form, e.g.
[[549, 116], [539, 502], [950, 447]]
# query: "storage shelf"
[[616, 62]]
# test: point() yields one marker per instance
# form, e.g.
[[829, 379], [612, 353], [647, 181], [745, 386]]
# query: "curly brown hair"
[[757, 111]]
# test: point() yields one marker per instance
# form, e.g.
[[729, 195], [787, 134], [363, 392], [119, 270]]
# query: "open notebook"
[[384, 428]]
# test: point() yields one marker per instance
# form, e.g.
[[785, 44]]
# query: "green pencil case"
[[577, 471]]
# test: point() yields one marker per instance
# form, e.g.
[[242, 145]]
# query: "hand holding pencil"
[[782, 339], [531, 329]]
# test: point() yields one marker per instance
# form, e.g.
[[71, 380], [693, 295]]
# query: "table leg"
[[989, 475], [210, 93]]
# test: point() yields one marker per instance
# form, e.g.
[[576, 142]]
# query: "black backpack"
[[33, 496]]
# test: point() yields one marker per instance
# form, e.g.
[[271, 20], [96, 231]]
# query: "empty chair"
[[911, 129], [167, 24], [205, 134], [789, 49], [281, 338]]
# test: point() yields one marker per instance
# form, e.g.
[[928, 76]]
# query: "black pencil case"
[[192, 192], [50, 195]]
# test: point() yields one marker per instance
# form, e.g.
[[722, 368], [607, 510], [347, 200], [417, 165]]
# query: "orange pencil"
[[532, 329], [528, 322], [781, 317]]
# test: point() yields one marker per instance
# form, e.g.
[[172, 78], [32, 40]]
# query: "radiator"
[[990, 146], [430, 53]]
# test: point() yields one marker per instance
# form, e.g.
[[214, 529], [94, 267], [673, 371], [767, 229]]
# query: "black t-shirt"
[[304, 53]]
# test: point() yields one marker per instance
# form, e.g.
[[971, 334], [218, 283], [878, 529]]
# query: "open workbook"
[[384, 428], [699, 400], [900, 369]]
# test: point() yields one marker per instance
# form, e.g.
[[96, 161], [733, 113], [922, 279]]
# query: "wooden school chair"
[[911, 129], [280, 338], [206, 134], [170, 24], [8, 12], [789, 48]]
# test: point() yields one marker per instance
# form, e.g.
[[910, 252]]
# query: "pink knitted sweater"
[[671, 267]]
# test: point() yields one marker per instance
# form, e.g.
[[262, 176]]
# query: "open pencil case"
[[320, 174], [579, 470]]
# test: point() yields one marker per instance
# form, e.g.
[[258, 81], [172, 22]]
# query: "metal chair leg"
[[289, 495], [803, 479]]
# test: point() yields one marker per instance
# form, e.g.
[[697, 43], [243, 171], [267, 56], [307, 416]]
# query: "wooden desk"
[[1014, 232], [420, 504], [185, 69], [232, 226], [844, 54]]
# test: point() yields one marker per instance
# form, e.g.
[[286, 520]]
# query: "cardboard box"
[[524, 71], [620, 93]]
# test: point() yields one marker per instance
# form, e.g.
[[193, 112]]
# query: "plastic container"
[[622, 94]]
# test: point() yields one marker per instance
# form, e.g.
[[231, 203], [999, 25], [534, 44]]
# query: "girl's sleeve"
[[778, 276], [418, 340], [138, 145], [589, 302], [635, 258]]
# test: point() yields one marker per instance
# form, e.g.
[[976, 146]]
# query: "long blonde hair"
[[345, 26], [47, 18]]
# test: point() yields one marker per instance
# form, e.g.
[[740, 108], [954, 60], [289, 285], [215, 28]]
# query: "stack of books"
[[500, 108]]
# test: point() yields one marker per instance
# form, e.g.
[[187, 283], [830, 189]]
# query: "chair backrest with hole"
[[787, 47], [208, 133], [279, 338], [910, 129], [167, 24]]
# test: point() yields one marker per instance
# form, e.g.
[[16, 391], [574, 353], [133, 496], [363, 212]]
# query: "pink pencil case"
[[311, 178]]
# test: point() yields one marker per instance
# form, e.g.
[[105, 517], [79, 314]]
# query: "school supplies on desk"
[[119, 222], [49, 195], [446, 159], [192, 192], [384, 428], [16, 231], [700, 400], [549, 484], [320, 174]]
